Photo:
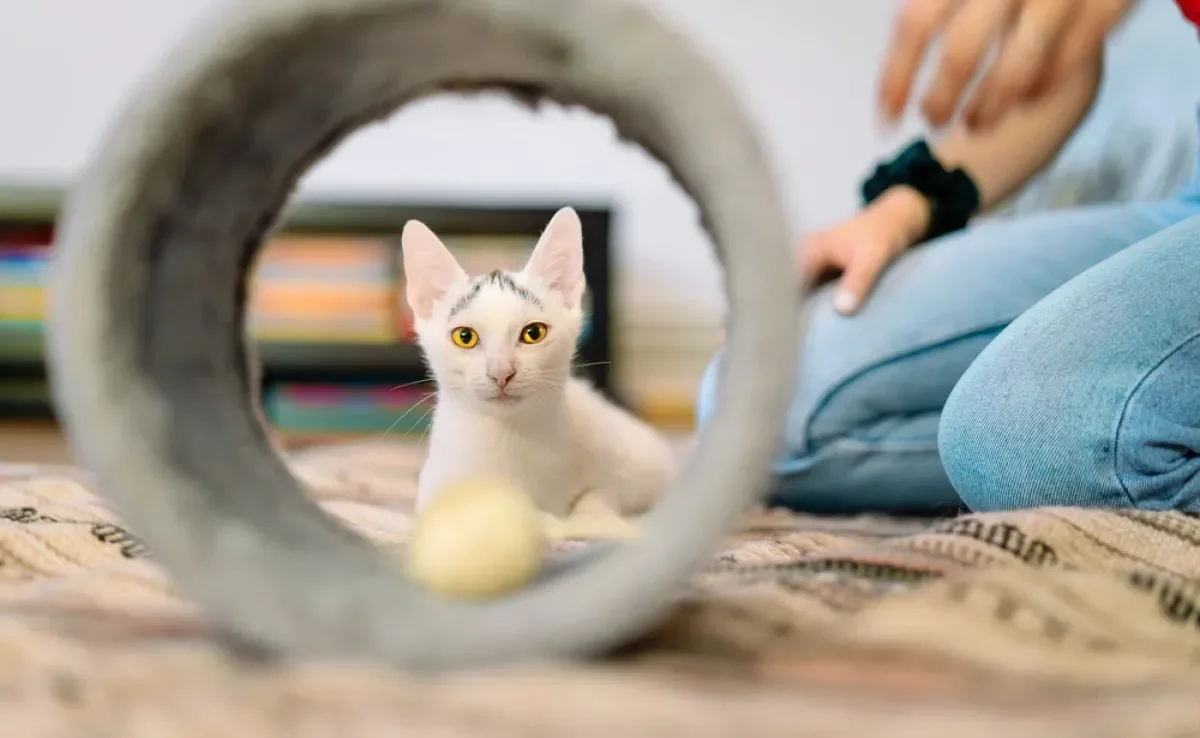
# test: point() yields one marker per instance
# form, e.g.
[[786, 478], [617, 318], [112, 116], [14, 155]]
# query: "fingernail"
[[845, 302]]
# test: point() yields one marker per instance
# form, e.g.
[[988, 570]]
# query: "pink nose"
[[502, 380]]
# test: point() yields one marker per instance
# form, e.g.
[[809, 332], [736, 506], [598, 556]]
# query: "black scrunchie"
[[952, 195]]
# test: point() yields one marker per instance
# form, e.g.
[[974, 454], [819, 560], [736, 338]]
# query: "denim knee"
[[1017, 433], [1003, 442], [888, 471], [971, 446]]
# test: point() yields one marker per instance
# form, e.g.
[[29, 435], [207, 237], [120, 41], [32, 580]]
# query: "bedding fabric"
[[1056, 622]]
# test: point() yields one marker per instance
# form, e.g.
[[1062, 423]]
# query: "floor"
[[42, 442], [28, 441]]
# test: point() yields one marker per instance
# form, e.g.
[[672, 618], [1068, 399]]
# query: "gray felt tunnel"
[[147, 346]]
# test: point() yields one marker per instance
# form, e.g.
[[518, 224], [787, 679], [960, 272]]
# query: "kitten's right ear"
[[430, 270]]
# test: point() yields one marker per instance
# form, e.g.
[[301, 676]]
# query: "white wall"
[[807, 70]]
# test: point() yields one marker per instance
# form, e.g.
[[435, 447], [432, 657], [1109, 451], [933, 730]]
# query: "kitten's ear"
[[429, 268], [557, 260]]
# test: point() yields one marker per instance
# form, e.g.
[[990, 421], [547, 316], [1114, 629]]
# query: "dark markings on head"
[[500, 280]]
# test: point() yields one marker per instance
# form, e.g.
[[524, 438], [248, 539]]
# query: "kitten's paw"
[[594, 505], [590, 528], [607, 527], [553, 527]]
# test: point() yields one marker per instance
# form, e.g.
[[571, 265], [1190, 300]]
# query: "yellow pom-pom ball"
[[478, 538]]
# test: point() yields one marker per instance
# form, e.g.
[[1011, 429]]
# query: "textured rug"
[[1055, 622]]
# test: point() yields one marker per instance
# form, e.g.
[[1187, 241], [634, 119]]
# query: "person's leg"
[[863, 419], [1092, 397]]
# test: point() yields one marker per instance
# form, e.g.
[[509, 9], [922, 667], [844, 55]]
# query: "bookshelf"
[[326, 306]]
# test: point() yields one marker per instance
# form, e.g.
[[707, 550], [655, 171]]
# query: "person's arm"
[[1001, 159], [998, 159], [1004, 158]]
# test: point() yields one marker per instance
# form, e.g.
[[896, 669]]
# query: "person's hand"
[[1038, 42], [863, 246]]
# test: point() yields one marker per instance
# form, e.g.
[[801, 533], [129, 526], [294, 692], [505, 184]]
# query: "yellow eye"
[[464, 337], [534, 333]]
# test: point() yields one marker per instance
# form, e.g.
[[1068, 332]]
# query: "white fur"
[[556, 436]]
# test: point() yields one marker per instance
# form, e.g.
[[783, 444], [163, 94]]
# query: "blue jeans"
[[1047, 360]]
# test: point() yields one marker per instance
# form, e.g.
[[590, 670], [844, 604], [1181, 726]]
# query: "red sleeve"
[[1190, 10]]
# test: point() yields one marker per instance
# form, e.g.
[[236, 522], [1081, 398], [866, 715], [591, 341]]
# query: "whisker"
[[395, 423], [409, 384], [591, 363], [422, 419], [403, 415]]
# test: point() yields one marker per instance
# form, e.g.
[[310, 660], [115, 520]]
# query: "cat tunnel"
[[148, 353]]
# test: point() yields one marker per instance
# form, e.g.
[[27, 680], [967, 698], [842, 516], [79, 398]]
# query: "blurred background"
[[489, 173]]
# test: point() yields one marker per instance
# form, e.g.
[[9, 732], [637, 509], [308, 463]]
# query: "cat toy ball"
[[478, 538], [484, 537], [148, 354]]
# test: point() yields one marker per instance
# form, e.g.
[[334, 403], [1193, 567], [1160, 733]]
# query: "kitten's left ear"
[[557, 260]]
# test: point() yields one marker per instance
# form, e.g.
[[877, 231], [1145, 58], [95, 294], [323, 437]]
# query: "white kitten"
[[500, 346]]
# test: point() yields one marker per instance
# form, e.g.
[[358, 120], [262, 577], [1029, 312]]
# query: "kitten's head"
[[505, 339]]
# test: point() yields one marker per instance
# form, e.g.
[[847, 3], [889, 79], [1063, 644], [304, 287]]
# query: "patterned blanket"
[[1055, 622]]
